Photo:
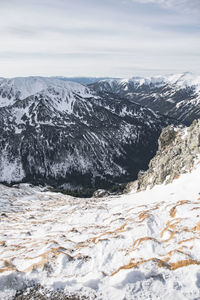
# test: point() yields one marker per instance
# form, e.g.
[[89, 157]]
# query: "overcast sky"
[[119, 38]]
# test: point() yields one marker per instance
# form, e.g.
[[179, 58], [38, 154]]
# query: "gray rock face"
[[178, 149]]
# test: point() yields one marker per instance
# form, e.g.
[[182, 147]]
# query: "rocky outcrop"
[[40, 293], [101, 193], [178, 150]]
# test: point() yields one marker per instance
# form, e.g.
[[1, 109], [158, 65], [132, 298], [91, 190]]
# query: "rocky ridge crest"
[[178, 150]]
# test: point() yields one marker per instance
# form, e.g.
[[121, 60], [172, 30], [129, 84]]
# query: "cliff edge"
[[178, 150]]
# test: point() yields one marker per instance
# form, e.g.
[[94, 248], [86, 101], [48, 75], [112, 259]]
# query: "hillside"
[[140, 245], [177, 95]]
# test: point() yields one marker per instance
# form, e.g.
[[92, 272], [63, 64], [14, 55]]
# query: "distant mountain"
[[20, 88], [177, 96], [82, 80], [62, 133]]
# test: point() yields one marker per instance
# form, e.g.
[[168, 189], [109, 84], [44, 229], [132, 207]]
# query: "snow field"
[[135, 246]]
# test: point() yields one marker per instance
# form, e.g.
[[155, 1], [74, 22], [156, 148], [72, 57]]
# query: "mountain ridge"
[[177, 96], [64, 133]]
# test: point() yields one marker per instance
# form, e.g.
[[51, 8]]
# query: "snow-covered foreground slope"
[[142, 245]]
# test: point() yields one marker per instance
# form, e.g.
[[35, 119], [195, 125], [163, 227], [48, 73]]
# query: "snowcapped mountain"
[[177, 96], [139, 245], [20, 88], [60, 132], [81, 80]]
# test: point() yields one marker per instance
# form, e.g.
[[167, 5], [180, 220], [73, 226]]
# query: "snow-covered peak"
[[23, 87], [185, 80], [181, 80], [146, 80]]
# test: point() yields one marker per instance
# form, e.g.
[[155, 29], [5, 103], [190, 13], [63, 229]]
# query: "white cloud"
[[190, 6], [92, 37]]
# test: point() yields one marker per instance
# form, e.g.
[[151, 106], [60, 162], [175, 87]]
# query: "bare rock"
[[178, 149]]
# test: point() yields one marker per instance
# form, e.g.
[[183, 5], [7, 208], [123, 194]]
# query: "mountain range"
[[177, 96], [70, 135]]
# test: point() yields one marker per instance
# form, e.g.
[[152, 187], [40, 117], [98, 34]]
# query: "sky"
[[116, 38]]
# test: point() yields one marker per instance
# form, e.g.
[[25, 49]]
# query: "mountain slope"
[[58, 132], [140, 245], [177, 96], [19, 88]]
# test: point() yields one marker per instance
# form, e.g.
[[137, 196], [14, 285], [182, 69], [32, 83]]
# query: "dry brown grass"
[[172, 212], [195, 208], [173, 209], [120, 229], [186, 240], [131, 264], [197, 227], [179, 251], [171, 225], [141, 240], [184, 263], [54, 252], [162, 263], [8, 266], [143, 216]]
